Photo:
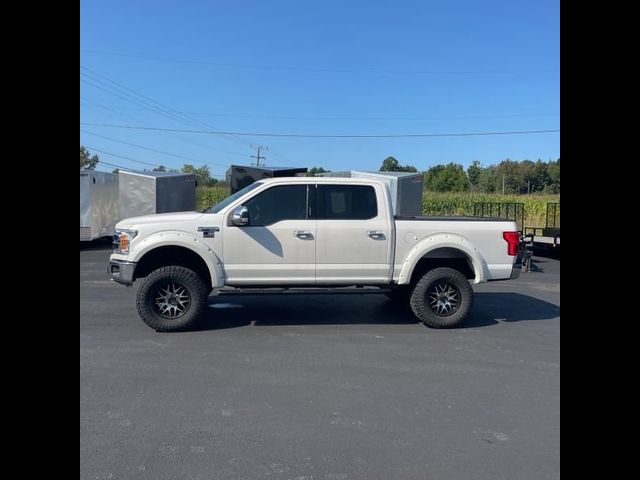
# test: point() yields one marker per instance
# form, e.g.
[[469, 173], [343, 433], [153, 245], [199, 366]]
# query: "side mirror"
[[240, 216]]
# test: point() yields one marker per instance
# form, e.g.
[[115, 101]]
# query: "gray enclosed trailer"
[[98, 204], [145, 193], [405, 187]]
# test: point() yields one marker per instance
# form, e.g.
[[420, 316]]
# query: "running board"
[[302, 291]]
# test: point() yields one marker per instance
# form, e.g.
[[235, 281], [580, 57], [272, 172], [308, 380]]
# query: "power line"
[[122, 115], [139, 98], [110, 109], [298, 117], [124, 158], [153, 149], [131, 160], [168, 111], [275, 153], [162, 107], [102, 162], [258, 156], [130, 98], [301, 135], [327, 70]]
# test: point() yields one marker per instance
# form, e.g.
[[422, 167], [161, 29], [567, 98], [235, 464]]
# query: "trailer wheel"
[[171, 299], [442, 298]]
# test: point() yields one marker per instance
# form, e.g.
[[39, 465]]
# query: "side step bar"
[[302, 291]]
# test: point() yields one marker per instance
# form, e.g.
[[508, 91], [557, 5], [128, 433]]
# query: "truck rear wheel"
[[171, 299], [442, 298]]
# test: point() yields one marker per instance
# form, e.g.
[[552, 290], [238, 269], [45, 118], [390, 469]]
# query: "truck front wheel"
[[171, 299], [442, 298]]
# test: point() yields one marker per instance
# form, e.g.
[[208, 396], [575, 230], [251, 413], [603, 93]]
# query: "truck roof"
[[321, 180]]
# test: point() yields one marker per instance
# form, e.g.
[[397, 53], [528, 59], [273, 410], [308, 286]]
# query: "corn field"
[[209, 196], [433, 203], [535, 206]]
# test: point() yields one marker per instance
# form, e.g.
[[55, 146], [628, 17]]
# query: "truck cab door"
[[354, 235], [278, 246]]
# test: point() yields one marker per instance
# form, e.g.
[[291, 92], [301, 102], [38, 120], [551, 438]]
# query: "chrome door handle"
[[376, 235], [303, 234]]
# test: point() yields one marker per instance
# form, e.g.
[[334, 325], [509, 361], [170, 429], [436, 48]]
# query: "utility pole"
[[503, 183], [258, 156]]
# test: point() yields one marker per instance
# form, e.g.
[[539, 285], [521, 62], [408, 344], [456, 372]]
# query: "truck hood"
[[159, 218]]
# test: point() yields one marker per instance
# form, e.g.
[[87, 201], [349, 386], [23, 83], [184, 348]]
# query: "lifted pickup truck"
[[291, 235]]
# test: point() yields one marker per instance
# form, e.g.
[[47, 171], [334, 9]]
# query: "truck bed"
[[482, 234], [451, 218]]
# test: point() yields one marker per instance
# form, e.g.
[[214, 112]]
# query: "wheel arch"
[[193, 254], [443, 250]]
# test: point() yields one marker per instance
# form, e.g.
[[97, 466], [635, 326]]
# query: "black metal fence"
[[504, 210], [553, 215]]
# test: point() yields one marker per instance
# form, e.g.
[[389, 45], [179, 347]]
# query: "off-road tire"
[[424, 298], [156, 283]]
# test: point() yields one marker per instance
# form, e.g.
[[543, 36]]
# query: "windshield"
[[232, 198]]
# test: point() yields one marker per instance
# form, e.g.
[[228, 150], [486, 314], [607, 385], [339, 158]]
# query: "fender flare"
[[185, 240], [442, 240]]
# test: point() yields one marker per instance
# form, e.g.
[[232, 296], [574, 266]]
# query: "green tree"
[[554, 176], [487, 180], [541, 177], [390, 164], [87, 161], [203, 175], [313, 171], [510, 176], [528, 172], [161, 168], [446, 178], [473, 172]]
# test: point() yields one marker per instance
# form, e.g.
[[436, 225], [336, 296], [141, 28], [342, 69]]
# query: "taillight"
[[513, 242]]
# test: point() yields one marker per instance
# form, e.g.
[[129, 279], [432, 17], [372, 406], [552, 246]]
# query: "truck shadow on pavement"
[[105, 243], [490, 308]]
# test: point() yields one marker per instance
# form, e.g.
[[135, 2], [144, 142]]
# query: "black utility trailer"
[[239, 176], [547, 237]]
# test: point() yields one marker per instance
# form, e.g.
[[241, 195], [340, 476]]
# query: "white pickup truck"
[[297, 234]]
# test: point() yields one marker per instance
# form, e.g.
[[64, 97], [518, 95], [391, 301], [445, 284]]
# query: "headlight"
[[121, 240]]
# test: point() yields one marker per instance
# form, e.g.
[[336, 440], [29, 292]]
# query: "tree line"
[[509, 176]]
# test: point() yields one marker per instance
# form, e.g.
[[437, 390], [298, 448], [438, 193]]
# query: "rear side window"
[[338, 202], [286, 202]]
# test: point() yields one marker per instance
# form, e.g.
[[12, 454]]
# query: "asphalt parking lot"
[[321, 387]]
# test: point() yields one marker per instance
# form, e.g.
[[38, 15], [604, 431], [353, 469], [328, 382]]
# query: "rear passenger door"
[[353, 243]]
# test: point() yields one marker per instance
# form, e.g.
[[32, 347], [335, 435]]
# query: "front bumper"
[[121, 271]]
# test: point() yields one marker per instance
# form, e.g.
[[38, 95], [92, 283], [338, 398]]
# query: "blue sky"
[[330, 67]]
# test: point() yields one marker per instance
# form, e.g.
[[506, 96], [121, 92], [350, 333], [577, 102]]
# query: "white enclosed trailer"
[[147, 193], [98, 204]]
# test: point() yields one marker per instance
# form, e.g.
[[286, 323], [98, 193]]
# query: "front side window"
[[342, 202], [232, 198], [284, 202]]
